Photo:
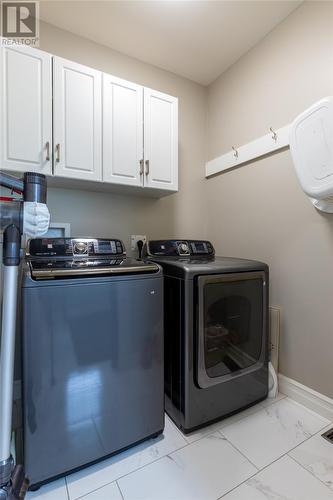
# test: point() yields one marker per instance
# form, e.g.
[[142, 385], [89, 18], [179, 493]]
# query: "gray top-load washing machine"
[[216, 331], [92, 350]]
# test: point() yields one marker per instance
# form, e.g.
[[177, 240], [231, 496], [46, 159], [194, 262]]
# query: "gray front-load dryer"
[[216, 331], [92, 349]]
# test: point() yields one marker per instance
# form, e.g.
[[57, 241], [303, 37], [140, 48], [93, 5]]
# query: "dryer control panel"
[[179, 248], [80, 247]]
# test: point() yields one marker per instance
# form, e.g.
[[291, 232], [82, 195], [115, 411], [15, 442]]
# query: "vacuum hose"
[[36, 219]]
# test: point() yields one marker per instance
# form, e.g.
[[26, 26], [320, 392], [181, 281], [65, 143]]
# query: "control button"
[[183, 248], [80, 247]]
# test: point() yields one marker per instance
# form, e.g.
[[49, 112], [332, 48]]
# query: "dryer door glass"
[[231, 325]]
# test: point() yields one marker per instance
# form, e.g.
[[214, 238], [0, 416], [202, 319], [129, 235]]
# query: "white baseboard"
[[308, 397]]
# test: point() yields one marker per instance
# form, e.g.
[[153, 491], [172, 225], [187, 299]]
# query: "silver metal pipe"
[[7, 358], [6, 468], [10, 213], [11, 182]]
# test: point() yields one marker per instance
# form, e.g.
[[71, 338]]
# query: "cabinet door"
[[122, 131], [160, 140], [77, 120], [26, 110]]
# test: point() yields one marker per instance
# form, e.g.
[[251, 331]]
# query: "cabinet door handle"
[[147, 167], [47, 146], [57, 153], [141, 167]]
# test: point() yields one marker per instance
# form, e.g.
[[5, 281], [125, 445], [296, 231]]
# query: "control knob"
[[183, 248], [80, 247]]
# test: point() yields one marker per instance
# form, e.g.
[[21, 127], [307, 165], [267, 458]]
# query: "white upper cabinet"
[[81, 126], [77, 120], [26, 110], [160, 140], [122, 131]]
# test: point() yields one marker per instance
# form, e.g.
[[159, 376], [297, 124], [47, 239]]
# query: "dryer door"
[[231, 326]]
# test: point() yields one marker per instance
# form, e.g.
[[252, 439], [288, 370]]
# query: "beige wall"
[[259, 211], [106, 214]]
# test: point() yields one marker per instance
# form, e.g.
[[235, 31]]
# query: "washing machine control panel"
[[180, 248], [77, 247]]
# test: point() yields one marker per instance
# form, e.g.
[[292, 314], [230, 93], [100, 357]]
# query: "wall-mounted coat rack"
[[310, 138], [269, 143]]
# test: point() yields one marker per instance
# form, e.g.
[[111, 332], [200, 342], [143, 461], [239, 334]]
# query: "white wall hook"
[[235, 152]]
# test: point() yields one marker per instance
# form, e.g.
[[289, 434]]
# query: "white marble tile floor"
[[272, 451]]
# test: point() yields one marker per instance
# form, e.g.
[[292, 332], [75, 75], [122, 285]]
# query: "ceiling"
[[195, 39]]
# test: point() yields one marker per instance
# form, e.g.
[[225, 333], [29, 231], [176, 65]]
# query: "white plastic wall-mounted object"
[[311, 145]]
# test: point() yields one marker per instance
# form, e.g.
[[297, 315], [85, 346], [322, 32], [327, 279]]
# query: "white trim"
[[311, 399], [259, 147]]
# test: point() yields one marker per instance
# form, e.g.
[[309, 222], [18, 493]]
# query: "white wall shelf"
[[272, 142]]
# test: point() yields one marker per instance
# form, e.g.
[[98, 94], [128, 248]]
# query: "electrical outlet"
[[135, 238]]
